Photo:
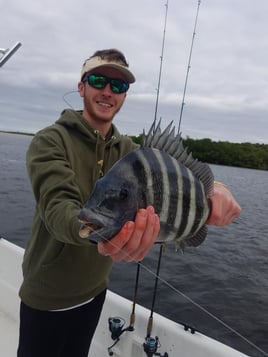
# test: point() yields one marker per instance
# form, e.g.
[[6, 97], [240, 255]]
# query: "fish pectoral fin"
[[195, 240]]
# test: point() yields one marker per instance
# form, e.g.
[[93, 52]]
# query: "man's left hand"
[[224, 208]]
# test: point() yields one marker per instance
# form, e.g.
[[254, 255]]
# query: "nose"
[[107, 90]]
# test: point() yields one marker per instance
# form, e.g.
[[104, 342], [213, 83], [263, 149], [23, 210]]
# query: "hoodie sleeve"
[[57, 195]]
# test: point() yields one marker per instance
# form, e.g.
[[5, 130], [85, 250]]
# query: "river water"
[[227, 275]]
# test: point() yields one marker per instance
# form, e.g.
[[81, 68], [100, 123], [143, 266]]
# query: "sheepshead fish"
[[160, 173]]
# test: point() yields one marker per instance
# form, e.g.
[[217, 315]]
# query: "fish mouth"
[[97, 232], [87, 228], [95, 227]]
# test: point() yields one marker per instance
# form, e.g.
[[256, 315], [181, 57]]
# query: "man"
[[65, 276]]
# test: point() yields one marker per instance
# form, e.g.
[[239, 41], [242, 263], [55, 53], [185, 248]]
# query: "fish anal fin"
[[193, 241]]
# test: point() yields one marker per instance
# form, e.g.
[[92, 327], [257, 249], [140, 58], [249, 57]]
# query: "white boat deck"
[[9, 335], [174, 340]]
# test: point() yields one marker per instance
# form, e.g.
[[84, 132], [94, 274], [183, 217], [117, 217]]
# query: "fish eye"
[[123, 194], [116, 194]]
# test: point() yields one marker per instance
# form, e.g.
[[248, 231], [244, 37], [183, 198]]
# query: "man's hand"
[[224, 208], [135, 239]]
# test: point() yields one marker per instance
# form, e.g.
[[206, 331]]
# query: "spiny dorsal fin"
[[172, 144]]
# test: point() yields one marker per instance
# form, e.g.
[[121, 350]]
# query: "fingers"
[[147, 229], [224, 208], [135, 239], [115, 248]]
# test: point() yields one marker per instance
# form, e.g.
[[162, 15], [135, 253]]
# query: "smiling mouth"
[[105, 105]]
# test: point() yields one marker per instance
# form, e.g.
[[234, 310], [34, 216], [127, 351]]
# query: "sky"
[[226, 95]]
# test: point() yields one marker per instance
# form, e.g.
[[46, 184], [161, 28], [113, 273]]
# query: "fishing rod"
[[116, 324], [151, 344], [189, 65], [161, 62], [132, 317]]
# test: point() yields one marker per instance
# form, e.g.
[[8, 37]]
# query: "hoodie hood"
[[74, 120]]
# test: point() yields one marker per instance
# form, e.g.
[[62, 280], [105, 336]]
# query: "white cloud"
[[228, 73]]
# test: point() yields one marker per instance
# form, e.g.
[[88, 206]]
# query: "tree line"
[[247, 155]]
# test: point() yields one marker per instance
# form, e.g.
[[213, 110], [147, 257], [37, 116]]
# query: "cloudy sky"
[[227, 91]]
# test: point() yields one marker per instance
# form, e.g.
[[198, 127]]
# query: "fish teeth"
[[87, 229]]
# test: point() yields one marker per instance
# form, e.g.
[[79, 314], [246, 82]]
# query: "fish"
[[161, 173]]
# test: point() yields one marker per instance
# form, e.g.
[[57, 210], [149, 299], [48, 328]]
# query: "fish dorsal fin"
[[150, 139], [172, 144]]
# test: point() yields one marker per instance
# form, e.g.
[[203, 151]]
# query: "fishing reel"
[[116, 325], [151, 345]]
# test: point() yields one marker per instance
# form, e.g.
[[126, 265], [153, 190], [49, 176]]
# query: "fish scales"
[[165, 176]]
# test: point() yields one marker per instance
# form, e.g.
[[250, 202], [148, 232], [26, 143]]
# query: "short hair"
[[112, 55]]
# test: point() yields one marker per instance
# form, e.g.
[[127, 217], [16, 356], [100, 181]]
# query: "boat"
[[168, 339]]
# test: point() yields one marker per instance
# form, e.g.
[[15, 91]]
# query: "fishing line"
[[176, 290], [65, 100]]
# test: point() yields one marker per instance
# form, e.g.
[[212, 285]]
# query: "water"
[[227, 275]]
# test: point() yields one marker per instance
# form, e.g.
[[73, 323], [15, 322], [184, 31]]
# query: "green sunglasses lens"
[[99, 82], [119, 86]]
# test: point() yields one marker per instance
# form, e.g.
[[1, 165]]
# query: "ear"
[[81, 89]]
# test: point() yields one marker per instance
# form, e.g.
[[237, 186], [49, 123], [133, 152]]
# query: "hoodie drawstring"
[[107, 145]]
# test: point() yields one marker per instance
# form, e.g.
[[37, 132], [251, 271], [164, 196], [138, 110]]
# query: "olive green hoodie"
[[64, 161]]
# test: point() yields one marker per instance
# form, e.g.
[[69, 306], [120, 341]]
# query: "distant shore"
[[246, 155], [16, 132]]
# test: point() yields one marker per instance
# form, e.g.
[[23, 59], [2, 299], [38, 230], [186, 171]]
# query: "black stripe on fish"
[[186, 189], [154, 177], [170, 193], [173, 190], [199, 197], [139, 172]]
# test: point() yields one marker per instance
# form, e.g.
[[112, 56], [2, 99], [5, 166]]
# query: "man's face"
[[101, 105]]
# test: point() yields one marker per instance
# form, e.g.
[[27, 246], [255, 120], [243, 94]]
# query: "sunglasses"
[[98, 81]]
